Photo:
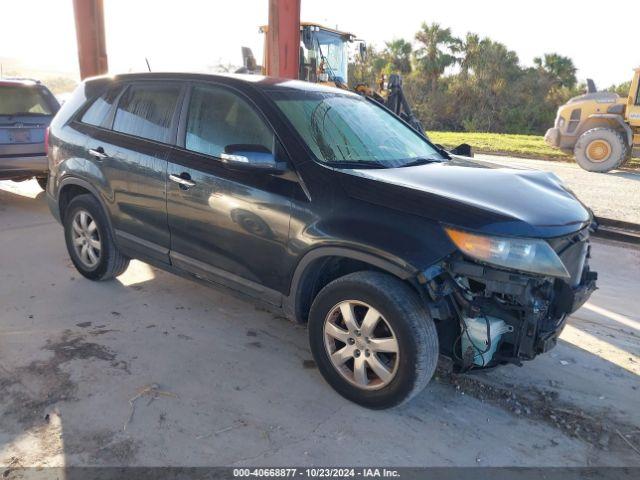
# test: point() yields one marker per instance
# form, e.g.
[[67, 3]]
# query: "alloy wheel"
[[86, 238], [361, 345]]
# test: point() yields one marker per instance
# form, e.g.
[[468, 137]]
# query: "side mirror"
[[251, 157], [307, 38], [464, 150]]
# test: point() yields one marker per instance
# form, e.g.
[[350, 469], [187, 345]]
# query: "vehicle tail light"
[[46, 141]]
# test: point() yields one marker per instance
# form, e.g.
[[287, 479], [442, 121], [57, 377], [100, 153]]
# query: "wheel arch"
[[71, 187], [324, 264], [608, 120]]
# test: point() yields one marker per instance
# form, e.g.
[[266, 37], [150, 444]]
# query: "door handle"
[[183, 182], [98, 153]]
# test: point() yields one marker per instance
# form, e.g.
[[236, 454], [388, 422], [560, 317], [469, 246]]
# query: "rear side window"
[[23, 100], [146, 111], [218, 117], [97, 113]]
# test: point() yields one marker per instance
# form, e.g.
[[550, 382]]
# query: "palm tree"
[[559, 67], [399, 52], [470, 49], [435, 54], [495, 61]]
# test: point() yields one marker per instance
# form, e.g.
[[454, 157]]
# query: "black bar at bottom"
[[404, 473]]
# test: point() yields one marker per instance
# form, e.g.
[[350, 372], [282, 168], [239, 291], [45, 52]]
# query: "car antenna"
[[147, 60]]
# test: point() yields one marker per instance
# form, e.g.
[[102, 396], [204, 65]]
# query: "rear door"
[[131, 150], [229, 226]]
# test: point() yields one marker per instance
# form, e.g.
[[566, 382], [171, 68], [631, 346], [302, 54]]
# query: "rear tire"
[[402, 324], [42, 181], [89, 240], [601, 150]]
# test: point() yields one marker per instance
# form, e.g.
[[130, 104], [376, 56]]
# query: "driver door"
[[228, 226]]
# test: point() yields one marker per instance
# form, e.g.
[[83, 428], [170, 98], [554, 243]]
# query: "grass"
[[526, 146], [530, 146]]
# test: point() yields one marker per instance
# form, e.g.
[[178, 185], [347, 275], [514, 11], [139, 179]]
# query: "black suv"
[[323, 203], [26, 108]]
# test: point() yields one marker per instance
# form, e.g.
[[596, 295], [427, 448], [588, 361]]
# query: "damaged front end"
[[489, 314]]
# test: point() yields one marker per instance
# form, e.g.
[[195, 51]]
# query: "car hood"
[[474, 195]]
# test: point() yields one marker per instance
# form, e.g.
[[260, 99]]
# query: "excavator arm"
[[394, 99]]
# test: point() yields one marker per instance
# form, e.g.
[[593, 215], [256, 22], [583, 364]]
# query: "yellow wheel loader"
[[601, 129]]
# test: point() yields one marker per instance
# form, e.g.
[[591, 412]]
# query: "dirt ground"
[[614, 195], [154, 370]]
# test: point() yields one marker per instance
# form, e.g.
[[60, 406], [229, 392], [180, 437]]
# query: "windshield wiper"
[[422, 161], [356, 164]]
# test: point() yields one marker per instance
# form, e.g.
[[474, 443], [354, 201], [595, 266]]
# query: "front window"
[[24, 100], [344, 128], [219, 118]]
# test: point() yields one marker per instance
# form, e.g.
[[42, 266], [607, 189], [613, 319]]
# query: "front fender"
[[385, 262], [619, 121], [405, 248]]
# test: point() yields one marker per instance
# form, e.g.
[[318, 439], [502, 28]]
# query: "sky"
[[199, 34]]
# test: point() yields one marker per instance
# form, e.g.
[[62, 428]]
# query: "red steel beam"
[[92, 50], [283, 39]]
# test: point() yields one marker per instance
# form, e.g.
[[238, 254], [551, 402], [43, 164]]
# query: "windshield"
[[343, 128], [333, 52], [323, 52], [23, 100]]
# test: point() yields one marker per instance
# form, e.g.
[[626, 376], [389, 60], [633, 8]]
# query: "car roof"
[[257, 82]]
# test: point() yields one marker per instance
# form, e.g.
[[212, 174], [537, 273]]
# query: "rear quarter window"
[[146, 111], [98, 111]]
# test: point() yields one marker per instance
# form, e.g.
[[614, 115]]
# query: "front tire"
[[89, 240], [601, 150], [372, 339]]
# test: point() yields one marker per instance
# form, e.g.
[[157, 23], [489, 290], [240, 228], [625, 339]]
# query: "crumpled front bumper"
[[572, 299], [534, 308]]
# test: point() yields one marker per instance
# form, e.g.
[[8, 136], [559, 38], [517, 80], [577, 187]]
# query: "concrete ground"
[[151, 369], [613, 195]]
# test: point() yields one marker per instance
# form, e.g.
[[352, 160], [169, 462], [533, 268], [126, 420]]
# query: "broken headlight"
[[524, 254]]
